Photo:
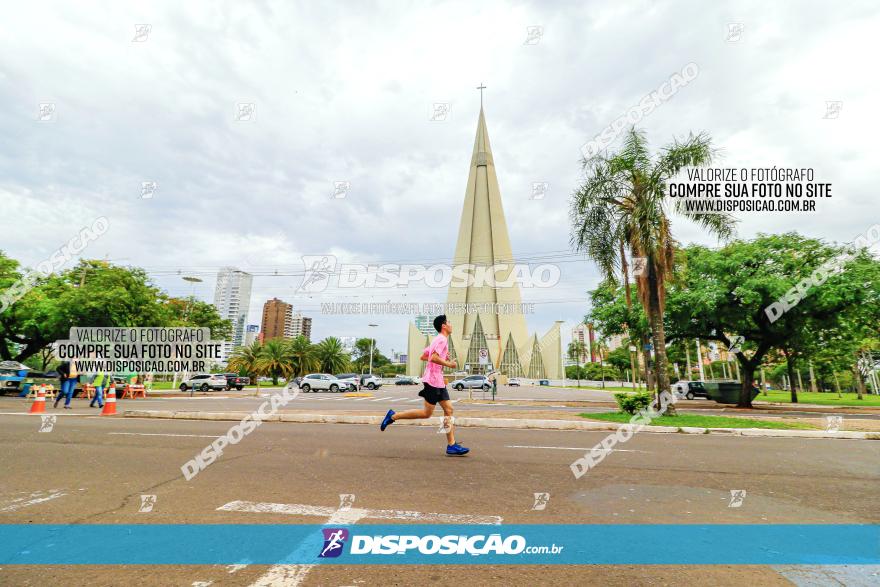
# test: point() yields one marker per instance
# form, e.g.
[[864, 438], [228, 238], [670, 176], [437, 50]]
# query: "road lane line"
[[298, 509], [381, 399], [23, 502], [158, 434], [572, 448]]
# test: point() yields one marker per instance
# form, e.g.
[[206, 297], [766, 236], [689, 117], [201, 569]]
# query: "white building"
[[301, 326], [581, 334], [252, 333], [232, 298]]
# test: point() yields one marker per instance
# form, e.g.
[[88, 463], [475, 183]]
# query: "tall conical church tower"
[[484, 245]]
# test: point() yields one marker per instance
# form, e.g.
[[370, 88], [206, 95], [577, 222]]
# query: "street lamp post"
[[192, 280], [372, 342]]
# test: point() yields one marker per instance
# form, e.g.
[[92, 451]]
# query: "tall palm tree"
[[331, 355], [248, 359], [576, 350], [302, 355], [623, 200], [600, 346], [275, 359]]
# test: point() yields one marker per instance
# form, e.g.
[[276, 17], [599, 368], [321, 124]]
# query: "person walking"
[[99, 390], [67, 378], [434, 391]]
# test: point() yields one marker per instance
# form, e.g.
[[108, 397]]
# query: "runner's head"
[[441, 325]]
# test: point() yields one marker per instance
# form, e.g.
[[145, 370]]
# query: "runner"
[[437, 356]]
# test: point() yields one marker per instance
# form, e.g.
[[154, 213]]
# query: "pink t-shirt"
[[433, 372]]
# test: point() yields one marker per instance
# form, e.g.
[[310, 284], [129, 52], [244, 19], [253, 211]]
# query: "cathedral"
[[485, 338]]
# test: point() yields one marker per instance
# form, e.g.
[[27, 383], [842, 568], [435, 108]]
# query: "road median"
[[516, 423]]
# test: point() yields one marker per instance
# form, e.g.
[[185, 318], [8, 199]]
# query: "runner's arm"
[[435, 358]]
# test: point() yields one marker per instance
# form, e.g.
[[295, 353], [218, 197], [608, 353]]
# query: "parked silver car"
[[472, 382]]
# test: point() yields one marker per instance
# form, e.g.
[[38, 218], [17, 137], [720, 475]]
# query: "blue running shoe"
[[456, 450], [387, 420]]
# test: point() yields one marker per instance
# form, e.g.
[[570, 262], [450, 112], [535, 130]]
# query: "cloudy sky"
[[345, 92]]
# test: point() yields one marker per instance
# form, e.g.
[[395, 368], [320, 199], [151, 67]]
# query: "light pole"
[[372, 342], [192, 280]]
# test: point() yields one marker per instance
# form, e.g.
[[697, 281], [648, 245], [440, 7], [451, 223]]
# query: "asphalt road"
[[402, 397], [90, 469]]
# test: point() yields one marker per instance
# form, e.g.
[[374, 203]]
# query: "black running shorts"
[[433, 394]]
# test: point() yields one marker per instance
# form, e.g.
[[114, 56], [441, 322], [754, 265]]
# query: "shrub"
[[630, 403]]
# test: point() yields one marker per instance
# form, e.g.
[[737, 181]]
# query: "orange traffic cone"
[[39, 405], [110, 402]]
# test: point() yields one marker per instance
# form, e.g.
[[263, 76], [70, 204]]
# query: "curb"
[[516, 423]]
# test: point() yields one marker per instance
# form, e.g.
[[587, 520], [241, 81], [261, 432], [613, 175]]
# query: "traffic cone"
[[39, 405], [110, 402]]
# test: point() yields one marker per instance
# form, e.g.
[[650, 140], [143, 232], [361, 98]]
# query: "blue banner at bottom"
[[419, 544]]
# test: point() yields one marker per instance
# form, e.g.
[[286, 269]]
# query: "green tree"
[[624, 200], [91, 294], [248, 359], [331, 355], [275, 359], [303, 356], [576, 350], [730, 291]]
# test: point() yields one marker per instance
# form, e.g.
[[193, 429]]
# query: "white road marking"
[[418, 399], [293, 575], [157, 434], [35, 498], [297, 509], [572, 448], [45, 414], [381, 399], [360, 399]]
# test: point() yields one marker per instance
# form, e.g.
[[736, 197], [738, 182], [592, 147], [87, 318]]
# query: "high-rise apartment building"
[[301, 326], [277, 320], [232, 297]]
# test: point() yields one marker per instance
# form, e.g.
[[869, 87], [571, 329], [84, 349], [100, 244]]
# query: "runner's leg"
[[447, 413], [425, 412]]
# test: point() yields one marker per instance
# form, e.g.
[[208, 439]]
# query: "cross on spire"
[[481, 87]]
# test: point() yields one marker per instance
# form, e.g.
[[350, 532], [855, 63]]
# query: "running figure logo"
[[541, 501], [737, 497], [47, 423], [334, 541], [318, 269]]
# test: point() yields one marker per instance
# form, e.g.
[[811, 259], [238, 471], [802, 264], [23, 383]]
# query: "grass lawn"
[[821, 399], [699, 421], [609, 388]]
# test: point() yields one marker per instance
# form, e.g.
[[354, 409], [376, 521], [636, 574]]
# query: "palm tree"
[[600, 347], [249, 360], [576, 350], [331, 355], [623, 200], [276, 360], [302, 355]]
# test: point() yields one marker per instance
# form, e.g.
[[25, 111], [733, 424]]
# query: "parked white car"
[[324, 382], [204, 382], [363, 381], [513, 382]]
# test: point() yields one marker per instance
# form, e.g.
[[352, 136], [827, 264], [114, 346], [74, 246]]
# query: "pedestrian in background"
[[67, 378], [99, 390]]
